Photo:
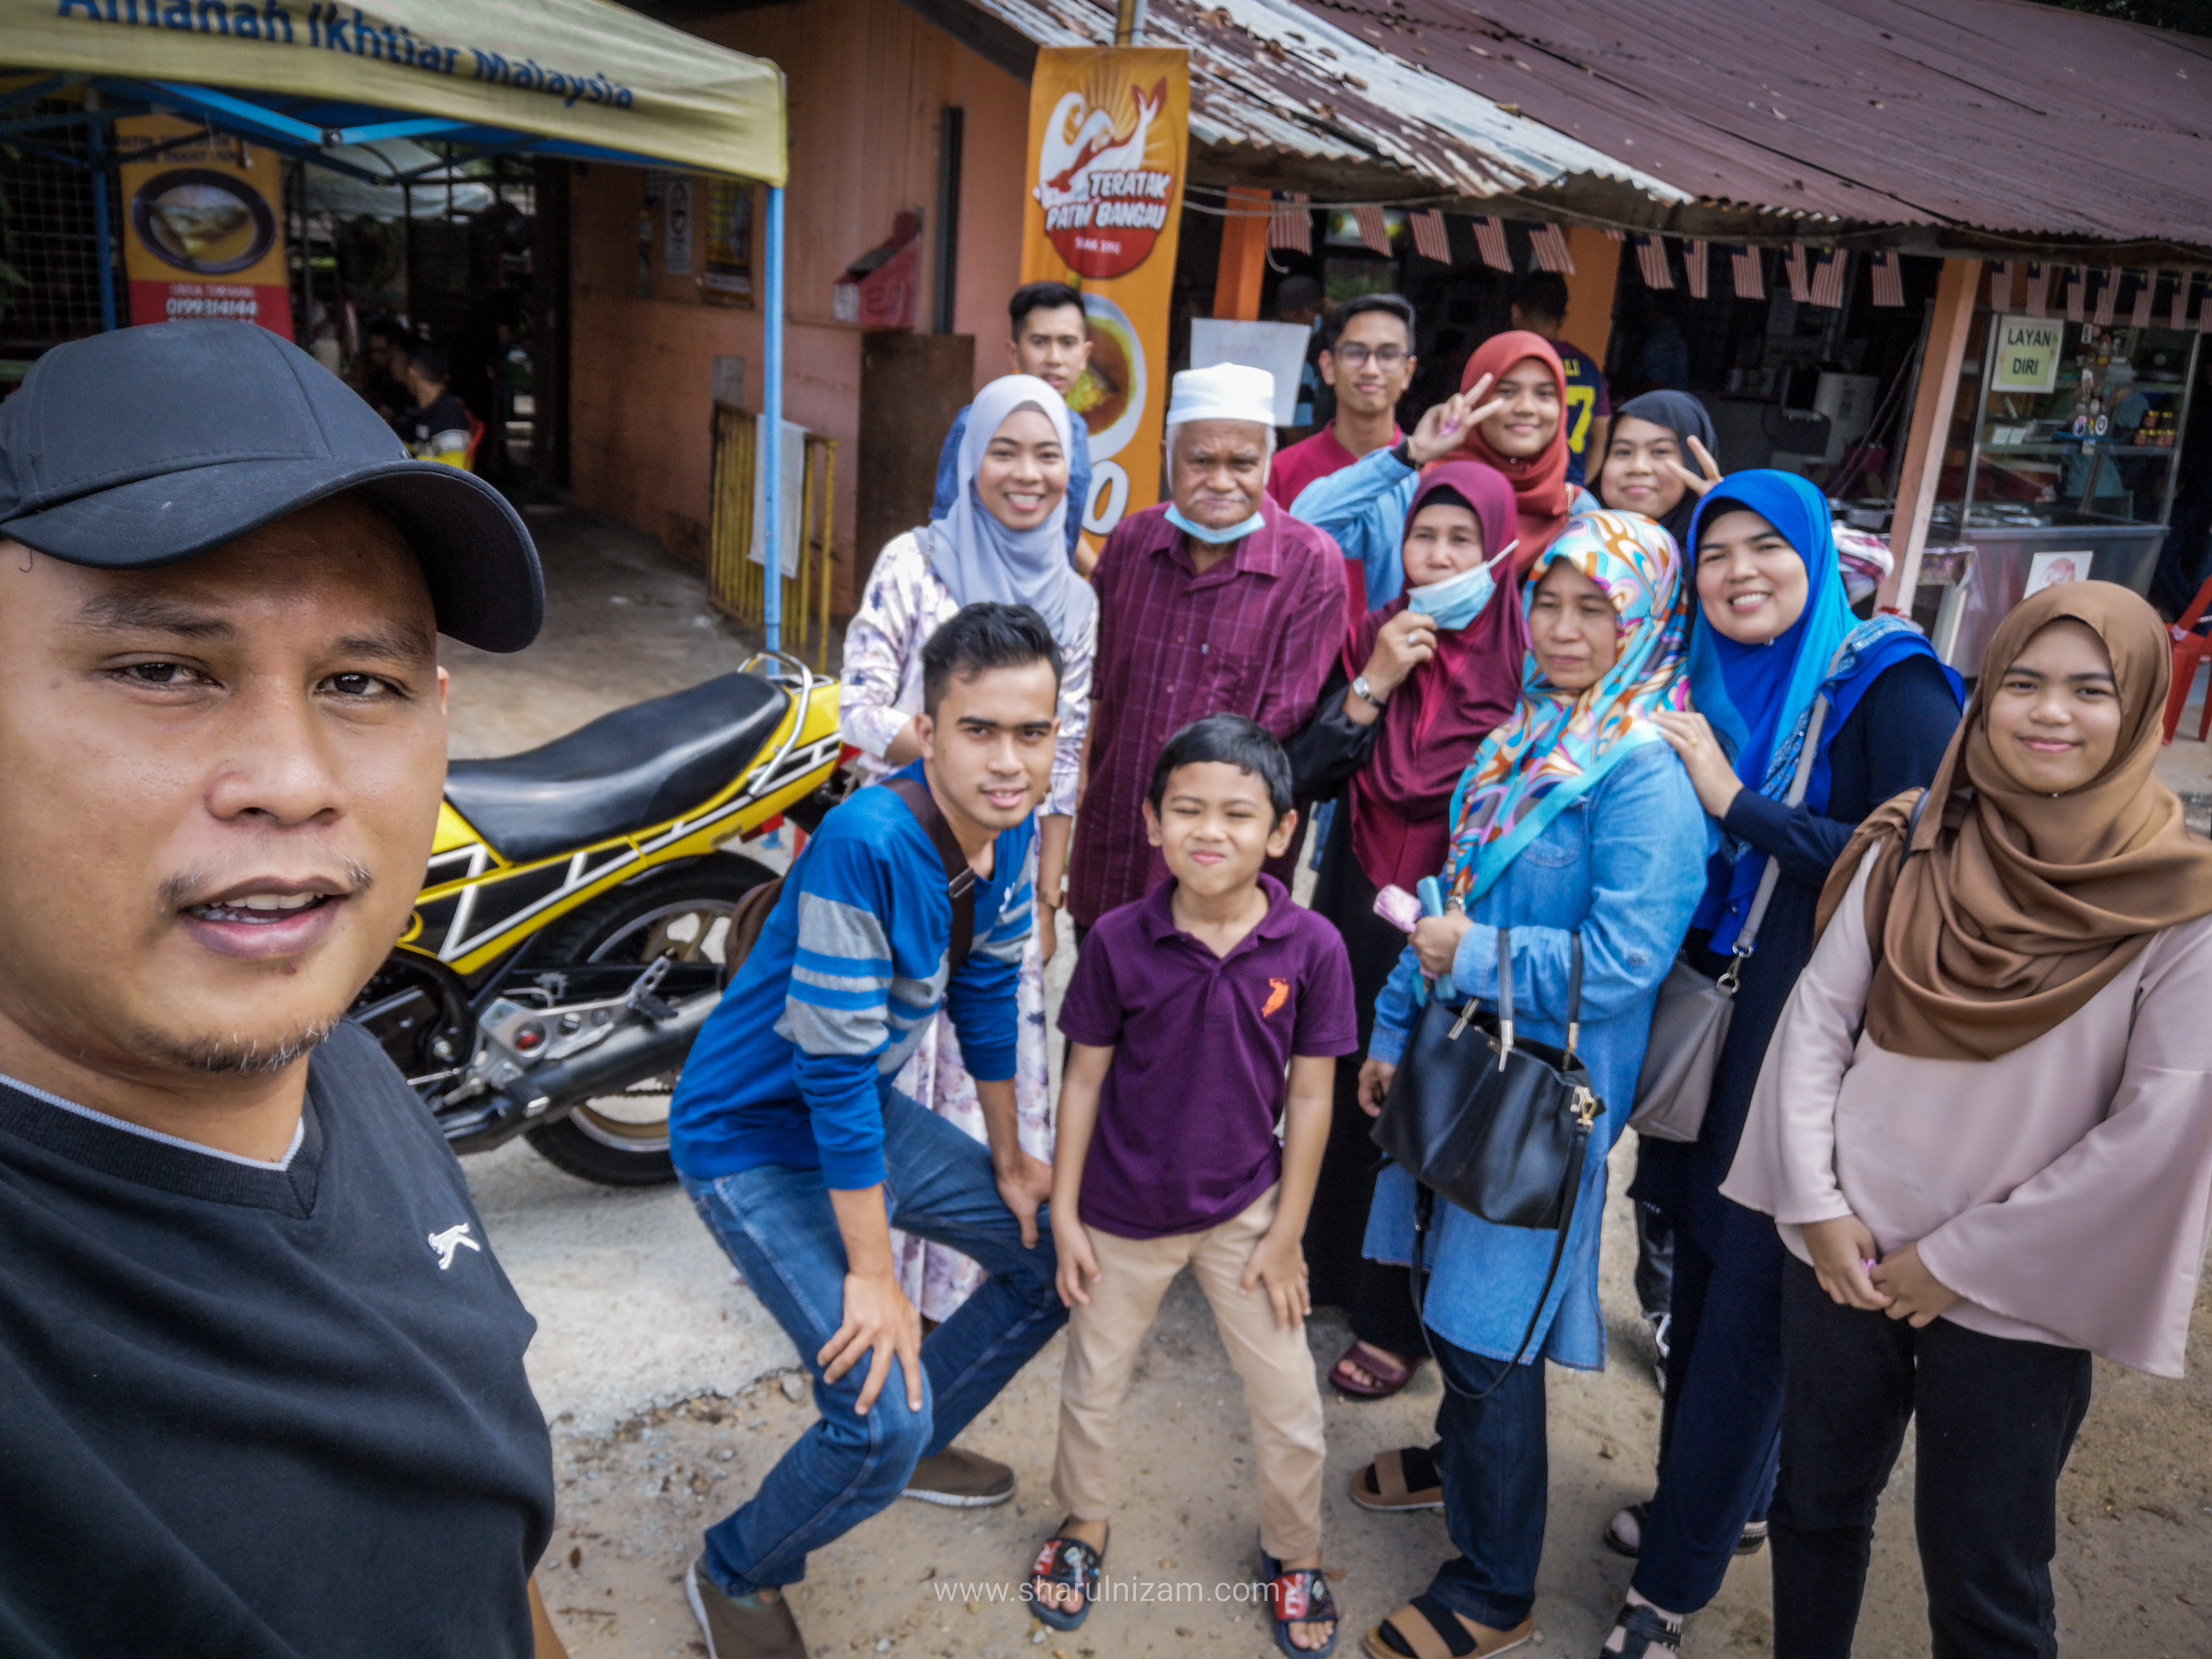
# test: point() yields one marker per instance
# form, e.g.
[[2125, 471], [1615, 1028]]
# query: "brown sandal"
[[1406, 1479], [1425, 1628], [1388, 1378]]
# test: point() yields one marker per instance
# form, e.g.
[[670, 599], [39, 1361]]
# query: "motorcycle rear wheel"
[[621, 1140]]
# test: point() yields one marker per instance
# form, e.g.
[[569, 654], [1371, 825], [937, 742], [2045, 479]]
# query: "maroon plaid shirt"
[[1253, 636]]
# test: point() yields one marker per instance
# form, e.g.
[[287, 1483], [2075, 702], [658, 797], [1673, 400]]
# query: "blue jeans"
[[1722, 1432], [1495, 1467], [776, 1224]]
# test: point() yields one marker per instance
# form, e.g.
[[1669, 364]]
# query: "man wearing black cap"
[[260, 1377]]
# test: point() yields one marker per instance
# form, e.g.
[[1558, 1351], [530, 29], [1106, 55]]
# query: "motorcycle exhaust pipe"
[[633, 1052]]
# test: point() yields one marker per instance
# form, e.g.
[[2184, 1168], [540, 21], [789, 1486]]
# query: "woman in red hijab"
[[1420, 683], [1524, 435]]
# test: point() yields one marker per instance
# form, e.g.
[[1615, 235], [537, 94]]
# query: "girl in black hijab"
[[1652, 444]]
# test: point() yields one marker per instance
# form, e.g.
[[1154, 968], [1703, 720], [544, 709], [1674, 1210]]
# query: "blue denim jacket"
[[1364, 506], [1625, 866]]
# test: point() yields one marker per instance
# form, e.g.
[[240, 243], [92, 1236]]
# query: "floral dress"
[[905, 603]]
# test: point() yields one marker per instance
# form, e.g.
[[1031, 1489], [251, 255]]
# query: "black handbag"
[[1499, 1125]]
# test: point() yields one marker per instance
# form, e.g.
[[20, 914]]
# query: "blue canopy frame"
[[307, 128]]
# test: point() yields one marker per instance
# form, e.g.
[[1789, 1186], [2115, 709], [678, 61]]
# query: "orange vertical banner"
[[1109, 132]]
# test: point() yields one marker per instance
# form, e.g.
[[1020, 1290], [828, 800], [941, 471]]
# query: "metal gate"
[[737, 584]]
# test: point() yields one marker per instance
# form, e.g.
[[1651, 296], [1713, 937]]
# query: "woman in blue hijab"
[[1776, 636]]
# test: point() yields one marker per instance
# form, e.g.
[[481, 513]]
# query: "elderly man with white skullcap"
[[1216, 601]]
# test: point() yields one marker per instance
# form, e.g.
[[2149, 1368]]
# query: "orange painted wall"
[[868, 80]]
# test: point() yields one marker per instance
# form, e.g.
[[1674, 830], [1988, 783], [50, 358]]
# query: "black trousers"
[[1997, 1419]]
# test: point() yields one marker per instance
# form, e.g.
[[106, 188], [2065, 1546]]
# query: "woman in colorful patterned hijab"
[[1559, 744], [1577, 856]]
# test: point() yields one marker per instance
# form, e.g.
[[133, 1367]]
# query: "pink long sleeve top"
[[2065, 1190]]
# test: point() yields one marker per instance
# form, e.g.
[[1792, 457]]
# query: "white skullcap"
[[1226, 392]]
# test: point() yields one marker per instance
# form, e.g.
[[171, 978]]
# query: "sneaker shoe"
[[960, 1480], [741, 1628]]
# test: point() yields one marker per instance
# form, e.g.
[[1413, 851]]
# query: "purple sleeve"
[[1329, 1018], [1090, 1012]]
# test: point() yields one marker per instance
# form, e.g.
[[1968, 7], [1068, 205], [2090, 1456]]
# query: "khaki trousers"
[[1104, 1339]]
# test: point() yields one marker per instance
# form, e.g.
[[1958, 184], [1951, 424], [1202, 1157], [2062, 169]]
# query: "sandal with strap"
[[1298, 1596], [1624, 1534], [1645, 1633], [1072, 1565], [1425, 1628], [1406, 1479], [1388, 1378]]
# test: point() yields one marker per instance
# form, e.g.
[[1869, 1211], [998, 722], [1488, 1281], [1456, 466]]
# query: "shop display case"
[[2064, 456]]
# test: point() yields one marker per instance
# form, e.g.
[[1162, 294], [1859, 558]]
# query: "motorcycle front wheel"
[[621, 1140]]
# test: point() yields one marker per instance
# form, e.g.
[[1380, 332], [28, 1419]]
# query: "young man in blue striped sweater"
[[800, 1156]]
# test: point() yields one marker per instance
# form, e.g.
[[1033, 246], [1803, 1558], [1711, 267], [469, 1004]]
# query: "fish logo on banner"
[[1104, 195]]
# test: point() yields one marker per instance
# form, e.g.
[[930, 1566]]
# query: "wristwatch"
[[1361, 689]]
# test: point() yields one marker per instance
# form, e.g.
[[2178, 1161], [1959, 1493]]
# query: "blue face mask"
[[1206, 533], [1455, 601]]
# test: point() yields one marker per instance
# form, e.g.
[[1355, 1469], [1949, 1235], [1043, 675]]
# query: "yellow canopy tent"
[[585, 79]]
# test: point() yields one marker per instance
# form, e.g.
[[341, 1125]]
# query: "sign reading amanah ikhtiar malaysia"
[[356, 33], [578, 72]]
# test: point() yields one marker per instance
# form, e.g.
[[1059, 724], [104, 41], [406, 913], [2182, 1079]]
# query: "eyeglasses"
[[1356, 355]]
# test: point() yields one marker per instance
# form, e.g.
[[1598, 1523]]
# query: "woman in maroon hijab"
[[1420, 685]]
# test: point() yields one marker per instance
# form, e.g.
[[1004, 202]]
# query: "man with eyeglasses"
[[1369, 362]]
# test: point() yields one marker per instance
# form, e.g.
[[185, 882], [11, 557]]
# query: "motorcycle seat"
[[625, 771]]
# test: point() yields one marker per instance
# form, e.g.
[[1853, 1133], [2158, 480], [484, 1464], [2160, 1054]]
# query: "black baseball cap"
[[150, 446]]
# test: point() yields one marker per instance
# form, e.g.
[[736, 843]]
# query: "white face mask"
[[1455, 601], [1206, 532]]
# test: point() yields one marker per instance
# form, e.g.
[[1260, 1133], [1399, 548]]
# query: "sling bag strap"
[[1747, 939], [959, 874]]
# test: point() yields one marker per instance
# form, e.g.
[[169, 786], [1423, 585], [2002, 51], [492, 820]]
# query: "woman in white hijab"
[[1004, 540]]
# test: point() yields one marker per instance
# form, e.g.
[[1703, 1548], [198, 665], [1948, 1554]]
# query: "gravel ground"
[[671, 1393]]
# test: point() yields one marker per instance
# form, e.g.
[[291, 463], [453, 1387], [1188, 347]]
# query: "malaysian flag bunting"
[[2178, 317], [2146, 285], [2108, 295], [1750, 281], [1889, 279], [1828, 279], [2039, 289], [1490, 242], [1550, 248], [1289, 227], [2001, 286], [1695, 268], [1651, 260], [1801, 285], [1429, 239], [2072, 279], [1617, 235], [1374, 229]]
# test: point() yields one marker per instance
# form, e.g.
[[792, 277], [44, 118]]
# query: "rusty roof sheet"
[[1971, 124]]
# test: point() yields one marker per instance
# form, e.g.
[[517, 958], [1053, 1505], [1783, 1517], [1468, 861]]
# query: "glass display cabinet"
[[2063, 454]]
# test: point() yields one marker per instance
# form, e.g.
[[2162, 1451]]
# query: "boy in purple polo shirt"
[[1187, 1010]]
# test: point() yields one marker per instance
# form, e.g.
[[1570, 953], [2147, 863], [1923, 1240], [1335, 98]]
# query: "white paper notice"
[[1279, 348]]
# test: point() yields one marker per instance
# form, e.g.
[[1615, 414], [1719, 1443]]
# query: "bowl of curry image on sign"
[[1109, 395], [203, 222]]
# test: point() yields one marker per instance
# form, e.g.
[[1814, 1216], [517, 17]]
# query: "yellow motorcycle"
[[574, 927]]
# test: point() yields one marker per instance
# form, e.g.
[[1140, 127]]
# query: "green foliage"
[[2183, 16]]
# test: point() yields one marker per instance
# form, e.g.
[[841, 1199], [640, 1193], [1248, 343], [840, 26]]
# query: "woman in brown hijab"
[[1985, 1127]]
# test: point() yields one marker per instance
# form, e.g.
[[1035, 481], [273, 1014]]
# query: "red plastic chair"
[[2188, 648]]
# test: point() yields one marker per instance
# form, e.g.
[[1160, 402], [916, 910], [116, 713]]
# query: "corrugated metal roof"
[[1973, 123], [1270, 74]]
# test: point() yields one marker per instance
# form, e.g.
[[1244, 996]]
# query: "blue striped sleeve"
[[836, 1010]]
